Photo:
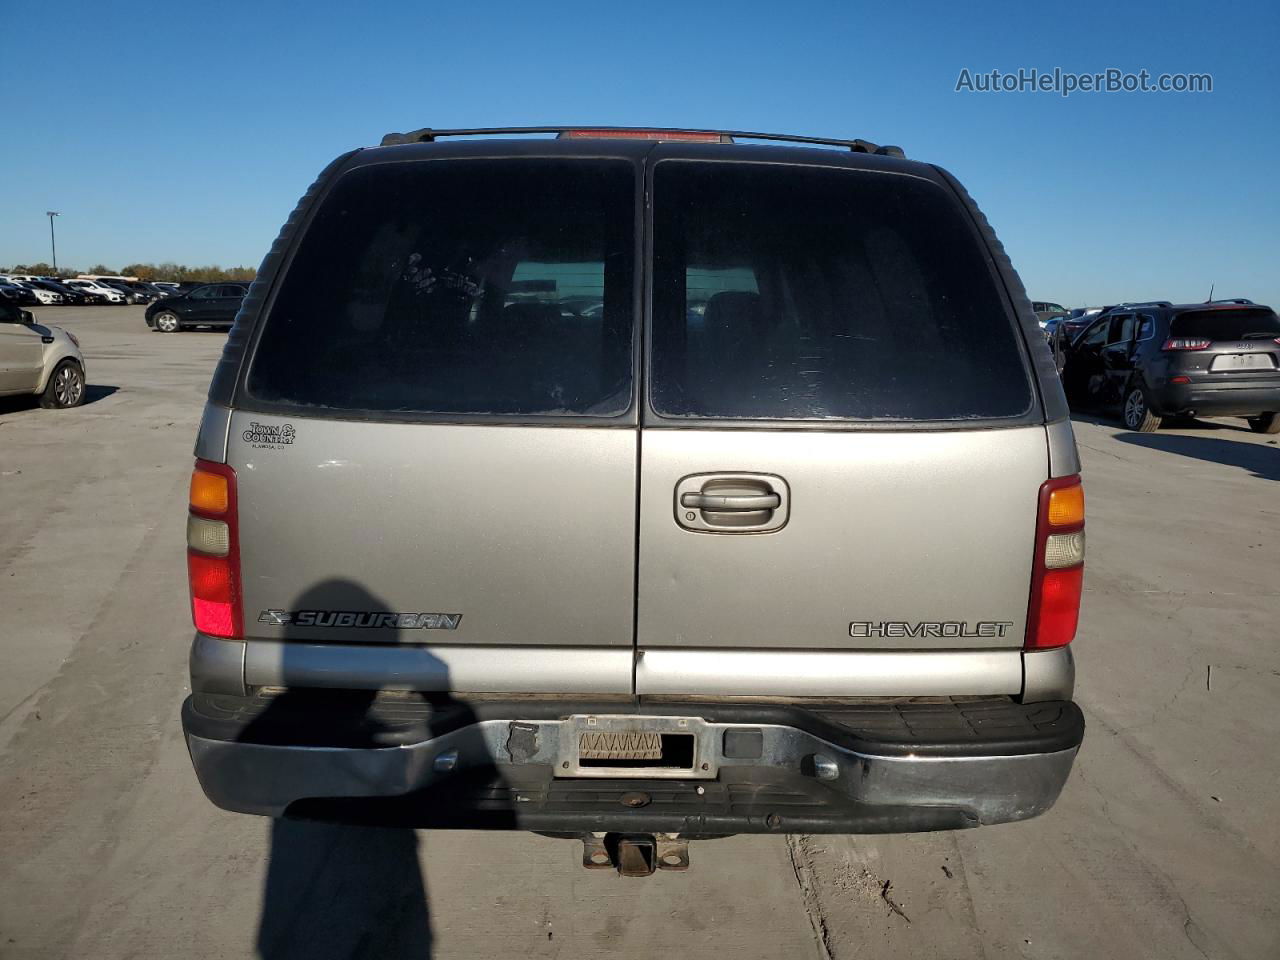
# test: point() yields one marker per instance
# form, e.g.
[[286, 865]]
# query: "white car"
[[39, 359], [93, 286], [46, 297]]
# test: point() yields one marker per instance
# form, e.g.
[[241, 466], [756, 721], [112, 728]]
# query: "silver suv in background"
[[785, 535]]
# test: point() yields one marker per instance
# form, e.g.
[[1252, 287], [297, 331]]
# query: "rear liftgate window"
[[800, 293], [489, 287], [1258, 323]]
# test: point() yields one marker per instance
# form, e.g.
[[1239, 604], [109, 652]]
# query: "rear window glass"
[[785, 292], [491, 287], [1257, 323]]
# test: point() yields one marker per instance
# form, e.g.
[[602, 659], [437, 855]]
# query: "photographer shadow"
[[344, 876], [342, 891]]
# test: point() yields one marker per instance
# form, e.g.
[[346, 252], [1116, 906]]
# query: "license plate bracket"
[[617, 746]]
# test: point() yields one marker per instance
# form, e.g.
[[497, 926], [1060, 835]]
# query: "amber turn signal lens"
[[1066, 506], [209, 492]]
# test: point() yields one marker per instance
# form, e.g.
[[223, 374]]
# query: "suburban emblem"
[[361, 619], [269, 435], [905, 630]]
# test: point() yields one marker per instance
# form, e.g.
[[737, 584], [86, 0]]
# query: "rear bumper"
[[759, 767], [1219, 399]]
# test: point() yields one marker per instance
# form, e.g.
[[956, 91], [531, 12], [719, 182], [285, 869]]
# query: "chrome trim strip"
[[471, 669], [828, 673]]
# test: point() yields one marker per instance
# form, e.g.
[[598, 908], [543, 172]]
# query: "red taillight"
[[213, 551], [1179, 379], [213, 594], [1186, 343], [1059, 611], [1058, 574]]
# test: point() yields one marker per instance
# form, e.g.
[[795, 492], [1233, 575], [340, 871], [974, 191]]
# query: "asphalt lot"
[[1165, 844]]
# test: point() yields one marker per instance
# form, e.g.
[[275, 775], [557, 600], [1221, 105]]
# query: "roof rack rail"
[[428, 135], [1145, 303], [1240, 300]]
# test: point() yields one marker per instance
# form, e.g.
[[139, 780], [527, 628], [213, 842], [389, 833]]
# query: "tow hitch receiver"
[[635, 855]]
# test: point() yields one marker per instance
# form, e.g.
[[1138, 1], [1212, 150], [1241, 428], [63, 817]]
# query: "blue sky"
[[189, 132]]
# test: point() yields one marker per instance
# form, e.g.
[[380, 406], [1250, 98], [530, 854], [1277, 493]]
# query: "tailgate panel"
[[910, 532]]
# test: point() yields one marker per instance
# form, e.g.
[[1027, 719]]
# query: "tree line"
[[176, 272]]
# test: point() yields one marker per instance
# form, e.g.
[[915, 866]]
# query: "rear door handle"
[[732, 501]]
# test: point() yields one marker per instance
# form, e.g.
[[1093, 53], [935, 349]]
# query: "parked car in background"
[[19, 279], [39, 359], [168, 285], [70, 296], [1068, 327], [133, 288], [48, 296], [99, 297], [1044, 310], [1083, 314], [652, 608], [97, 287], [1160, 360], [18, 293], [30, 295], [211, 305], [133, 292]]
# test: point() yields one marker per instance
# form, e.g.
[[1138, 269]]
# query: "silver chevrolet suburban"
[[635, 486]]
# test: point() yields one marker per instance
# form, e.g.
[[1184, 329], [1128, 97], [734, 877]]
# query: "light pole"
[[52, 242]]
